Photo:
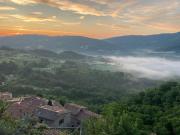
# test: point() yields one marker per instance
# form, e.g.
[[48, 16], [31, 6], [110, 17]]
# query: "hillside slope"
[[67, 43], [120, 45], [153, 42]]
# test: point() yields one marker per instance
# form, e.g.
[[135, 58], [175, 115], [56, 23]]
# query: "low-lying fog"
[[149, 67]]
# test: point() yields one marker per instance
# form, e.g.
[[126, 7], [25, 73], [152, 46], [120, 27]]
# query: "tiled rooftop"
[[58, 109], [75, 106], [26, 105]]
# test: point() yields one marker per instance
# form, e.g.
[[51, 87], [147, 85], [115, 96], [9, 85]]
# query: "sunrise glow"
[[91, 18]]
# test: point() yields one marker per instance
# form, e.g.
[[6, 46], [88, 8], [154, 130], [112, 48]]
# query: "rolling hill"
[[152, 42], [63, 43], [120, 45]]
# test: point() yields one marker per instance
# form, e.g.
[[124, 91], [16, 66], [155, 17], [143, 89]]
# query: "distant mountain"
[[152, 42], [59, 43], [175, 48], [119, 45]]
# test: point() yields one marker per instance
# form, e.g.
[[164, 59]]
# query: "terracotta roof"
[[15, 110], [85, 114], [80, 112], [74, 108], [26, 106], [75, 105], [57, 109], [14, 100], [50, 112]]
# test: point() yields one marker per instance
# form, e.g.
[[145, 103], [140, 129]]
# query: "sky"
[[90, 18]]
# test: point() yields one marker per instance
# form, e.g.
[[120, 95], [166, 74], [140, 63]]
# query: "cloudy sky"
[[92, 18]]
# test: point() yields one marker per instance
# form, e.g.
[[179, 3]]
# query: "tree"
[[115, 121], [3, 107]]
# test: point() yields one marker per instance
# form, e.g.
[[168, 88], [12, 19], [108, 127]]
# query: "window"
[[41, 120], [61, 122], [78, 123], [20, 110]]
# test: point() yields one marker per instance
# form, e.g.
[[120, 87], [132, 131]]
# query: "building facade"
[[53, 116], [79, 114], [26, 107], [51, 113]]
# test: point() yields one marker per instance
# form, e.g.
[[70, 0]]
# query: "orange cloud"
[[36, 13], [31, 18], [64, 5], [81, 17], [71, 23], [165, 26], [23, 2], [6, 8], [74, 7], [127, 16], [114, 26], [103, 2], [19, 31]]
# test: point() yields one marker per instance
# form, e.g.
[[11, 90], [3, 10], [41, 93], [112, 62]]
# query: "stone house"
[[49, 112], [53, 116], [79, 114], [25, 107]]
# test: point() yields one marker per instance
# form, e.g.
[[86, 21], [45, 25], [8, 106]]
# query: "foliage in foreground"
[[154, 111], [115, 121]]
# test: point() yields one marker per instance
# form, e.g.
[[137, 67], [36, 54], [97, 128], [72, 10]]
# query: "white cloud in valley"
[[148, 67]]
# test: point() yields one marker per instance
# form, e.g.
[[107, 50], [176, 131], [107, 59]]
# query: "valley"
[[57, 76], [89, 67], [136, 86]]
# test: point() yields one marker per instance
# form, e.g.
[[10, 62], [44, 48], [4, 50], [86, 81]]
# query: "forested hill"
[[59, 43], [155, 111], [152, 42], [65, 76], [121, 45], [69, 76], [175, 48]]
